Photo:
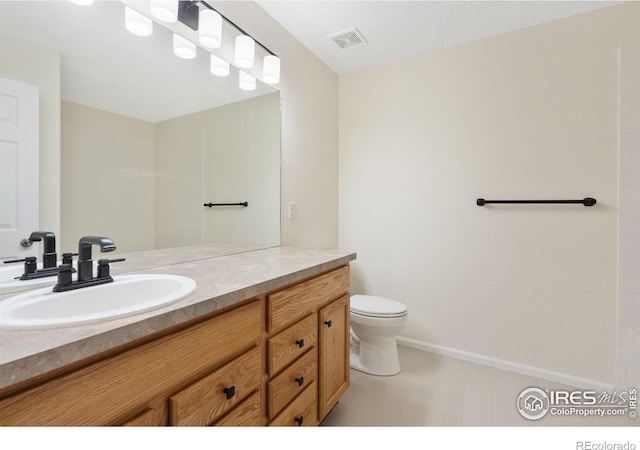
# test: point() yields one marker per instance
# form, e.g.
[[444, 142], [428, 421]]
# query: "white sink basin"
[[126, 296]]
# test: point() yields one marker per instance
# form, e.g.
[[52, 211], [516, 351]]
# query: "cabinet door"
[[334, 353]]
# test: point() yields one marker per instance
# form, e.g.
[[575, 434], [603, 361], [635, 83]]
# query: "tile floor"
[[434, 390]]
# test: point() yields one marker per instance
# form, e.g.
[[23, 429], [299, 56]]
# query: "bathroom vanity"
[[264, 340]]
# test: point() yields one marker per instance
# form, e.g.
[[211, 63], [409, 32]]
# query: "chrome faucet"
[[85, 263]]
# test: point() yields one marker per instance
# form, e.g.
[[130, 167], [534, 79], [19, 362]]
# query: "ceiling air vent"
[[349, 39]]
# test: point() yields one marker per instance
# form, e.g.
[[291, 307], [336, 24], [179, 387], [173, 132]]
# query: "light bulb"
[[271, 69], [183, 47], [247, 82], [219, 67], [136, 23], [245, 47], [210, 28], [165, 10]]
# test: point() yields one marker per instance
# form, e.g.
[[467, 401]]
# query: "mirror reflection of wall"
[[236, 148], [144, 184], [141, 180]]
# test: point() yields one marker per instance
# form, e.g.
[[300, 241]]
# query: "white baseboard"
[[536, 372]]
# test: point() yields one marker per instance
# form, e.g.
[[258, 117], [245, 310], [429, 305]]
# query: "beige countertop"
[[222, 281]]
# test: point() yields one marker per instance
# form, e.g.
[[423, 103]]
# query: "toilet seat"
[[372, 306]]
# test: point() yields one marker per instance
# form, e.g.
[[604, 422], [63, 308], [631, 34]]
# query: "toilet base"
[[382, 371]]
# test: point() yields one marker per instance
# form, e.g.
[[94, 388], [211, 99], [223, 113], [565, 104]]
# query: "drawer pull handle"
[[300, 381], [327, 323], [229, 392], [300, 343], [299, 420]]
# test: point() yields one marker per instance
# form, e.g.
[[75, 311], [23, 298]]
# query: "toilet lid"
[[369, 305]]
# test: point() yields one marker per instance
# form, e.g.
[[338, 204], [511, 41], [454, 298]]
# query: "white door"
[[18, 166]]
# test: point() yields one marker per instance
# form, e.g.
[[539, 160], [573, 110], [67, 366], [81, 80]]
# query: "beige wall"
[[228, 154], [527, 114], [108, 178], [629, 216], [28, 62], [309, 91]]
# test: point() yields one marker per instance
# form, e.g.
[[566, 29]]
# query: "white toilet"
[[375, 322]]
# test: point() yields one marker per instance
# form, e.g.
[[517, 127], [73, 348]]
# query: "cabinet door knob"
[[229, 392], [299, 420], [300, 343], [327, 323], [300, 381]]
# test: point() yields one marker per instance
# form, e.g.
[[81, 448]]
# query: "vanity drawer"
[[295, 378], [288, 305], [154, 415], [303, 411], [289, 344], [208, 399], [246, 414]]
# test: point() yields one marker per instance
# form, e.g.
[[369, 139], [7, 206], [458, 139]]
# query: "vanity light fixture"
[[183, 48], [207, 22], [210, 28], [219, 67], [136, 23], [164, 10], [247, 82], [245, 49], [271, 69]]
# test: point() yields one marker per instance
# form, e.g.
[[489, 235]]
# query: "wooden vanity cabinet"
[[134, 387], [279, 359], [307, 349]]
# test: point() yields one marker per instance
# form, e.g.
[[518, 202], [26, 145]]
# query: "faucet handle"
[[30, 264], [64, 277], [67, 258], [103, 266], [27, 259]]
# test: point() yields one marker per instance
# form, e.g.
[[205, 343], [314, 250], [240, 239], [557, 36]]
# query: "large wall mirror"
[[147, 138]]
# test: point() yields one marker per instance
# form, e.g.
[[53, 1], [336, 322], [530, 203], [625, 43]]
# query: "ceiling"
[[106, 67], [400, 29]]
